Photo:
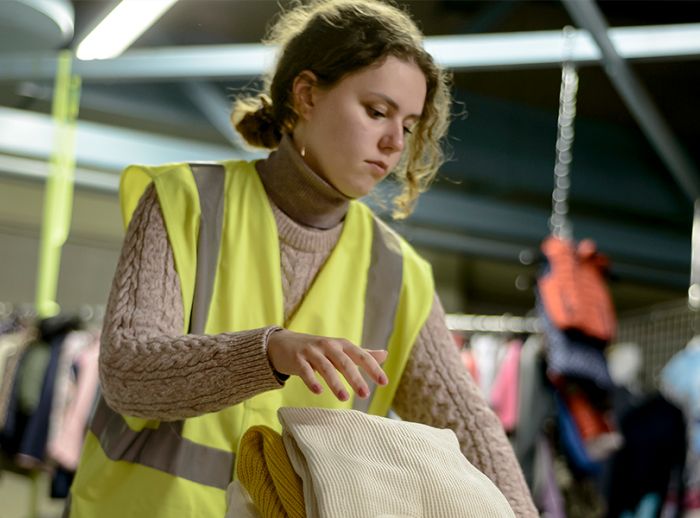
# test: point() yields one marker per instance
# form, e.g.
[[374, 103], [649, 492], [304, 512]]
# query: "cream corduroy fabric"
[[355, 465]]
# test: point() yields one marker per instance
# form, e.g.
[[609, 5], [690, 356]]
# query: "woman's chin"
[[358, 191]]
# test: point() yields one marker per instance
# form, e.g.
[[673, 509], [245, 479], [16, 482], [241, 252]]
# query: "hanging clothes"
[[25, 395], [24, 436], [488, 355], [572, 443], [545, 490], [504, 391], [573, 289], [536, 401], [66, 376], [12, 348], [66, 441], [571, 357], [680, 383], [654, 444], [32, 448]]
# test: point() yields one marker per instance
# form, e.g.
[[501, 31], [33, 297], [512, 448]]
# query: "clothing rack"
[[24, 309], [87, 312], [505, 323]]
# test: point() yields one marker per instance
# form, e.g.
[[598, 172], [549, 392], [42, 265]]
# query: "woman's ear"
[[303, 93]]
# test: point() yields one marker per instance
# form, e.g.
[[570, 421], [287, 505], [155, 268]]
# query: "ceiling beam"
[[457, 52], [461, 222], [586, 14], [102, 147]]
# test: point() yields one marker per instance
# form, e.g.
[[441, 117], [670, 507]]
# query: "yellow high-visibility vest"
[[373, 290]]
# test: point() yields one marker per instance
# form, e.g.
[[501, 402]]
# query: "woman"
[[236, 280]]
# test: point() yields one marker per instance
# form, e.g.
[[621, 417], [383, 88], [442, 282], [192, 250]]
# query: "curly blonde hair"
[[334, 38]]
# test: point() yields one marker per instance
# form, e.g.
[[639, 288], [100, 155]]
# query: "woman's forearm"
[[148, 368]]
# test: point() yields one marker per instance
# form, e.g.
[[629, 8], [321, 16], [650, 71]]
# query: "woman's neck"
[[298, 191]]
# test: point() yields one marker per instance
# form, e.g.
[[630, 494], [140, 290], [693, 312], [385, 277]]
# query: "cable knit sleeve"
[[437, 390], [147, 367]]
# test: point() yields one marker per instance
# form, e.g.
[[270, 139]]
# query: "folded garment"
[[354, 465], [264, 470]]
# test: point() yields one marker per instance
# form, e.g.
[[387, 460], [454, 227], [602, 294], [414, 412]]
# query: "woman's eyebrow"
[[394, 105]]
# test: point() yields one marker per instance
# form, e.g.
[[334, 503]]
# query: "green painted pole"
[[58, 194]]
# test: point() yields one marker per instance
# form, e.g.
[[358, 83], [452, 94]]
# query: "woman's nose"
[[393, 140]]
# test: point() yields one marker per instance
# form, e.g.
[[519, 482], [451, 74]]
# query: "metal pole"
[[58, 198]]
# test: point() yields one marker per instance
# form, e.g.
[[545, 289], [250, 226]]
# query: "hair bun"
[[254, 119]]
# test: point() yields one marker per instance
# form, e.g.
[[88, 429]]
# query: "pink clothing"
[[504, 391], [65, 447], [470, 364]]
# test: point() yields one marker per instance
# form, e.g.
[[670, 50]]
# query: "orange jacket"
[[574, 292]]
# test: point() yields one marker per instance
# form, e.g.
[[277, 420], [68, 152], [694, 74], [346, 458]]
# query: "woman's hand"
[[301, 354]]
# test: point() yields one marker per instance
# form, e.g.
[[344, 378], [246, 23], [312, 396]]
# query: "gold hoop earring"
[[303, 151]]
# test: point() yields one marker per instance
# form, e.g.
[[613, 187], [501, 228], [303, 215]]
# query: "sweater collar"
[[298, 191]]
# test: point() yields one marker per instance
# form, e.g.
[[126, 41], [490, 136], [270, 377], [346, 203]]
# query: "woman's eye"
[[407, 131], [375, 113]]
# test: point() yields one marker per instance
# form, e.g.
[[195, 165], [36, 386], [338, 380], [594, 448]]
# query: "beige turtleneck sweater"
[[149, 369]]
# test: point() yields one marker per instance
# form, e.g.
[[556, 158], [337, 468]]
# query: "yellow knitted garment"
[[265, 472]]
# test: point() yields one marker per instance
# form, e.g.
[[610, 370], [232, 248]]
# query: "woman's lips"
[[378, 166]]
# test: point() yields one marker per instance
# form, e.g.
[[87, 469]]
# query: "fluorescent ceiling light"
[[121, 27], [550, 47], [459, 52], [657, 40]]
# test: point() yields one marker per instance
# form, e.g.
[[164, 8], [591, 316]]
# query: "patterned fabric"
[[573, 357]]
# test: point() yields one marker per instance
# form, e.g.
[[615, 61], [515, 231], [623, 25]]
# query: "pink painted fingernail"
[[343, 396], [362, 392], [316, 388], [383, 380]]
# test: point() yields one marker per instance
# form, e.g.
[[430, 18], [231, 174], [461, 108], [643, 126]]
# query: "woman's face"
[[354, 132]]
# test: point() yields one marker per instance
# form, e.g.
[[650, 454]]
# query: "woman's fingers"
[[378, 354], [345, 358], [304, 355], [327, 370], [369, 360], [306, 373], [346, 365]]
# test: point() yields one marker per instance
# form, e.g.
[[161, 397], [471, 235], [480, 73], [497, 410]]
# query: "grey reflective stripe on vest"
[[382, 297], [161, 448], [210, 185], [164, 448]]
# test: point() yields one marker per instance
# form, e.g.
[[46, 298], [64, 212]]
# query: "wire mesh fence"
[[660, 331]]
